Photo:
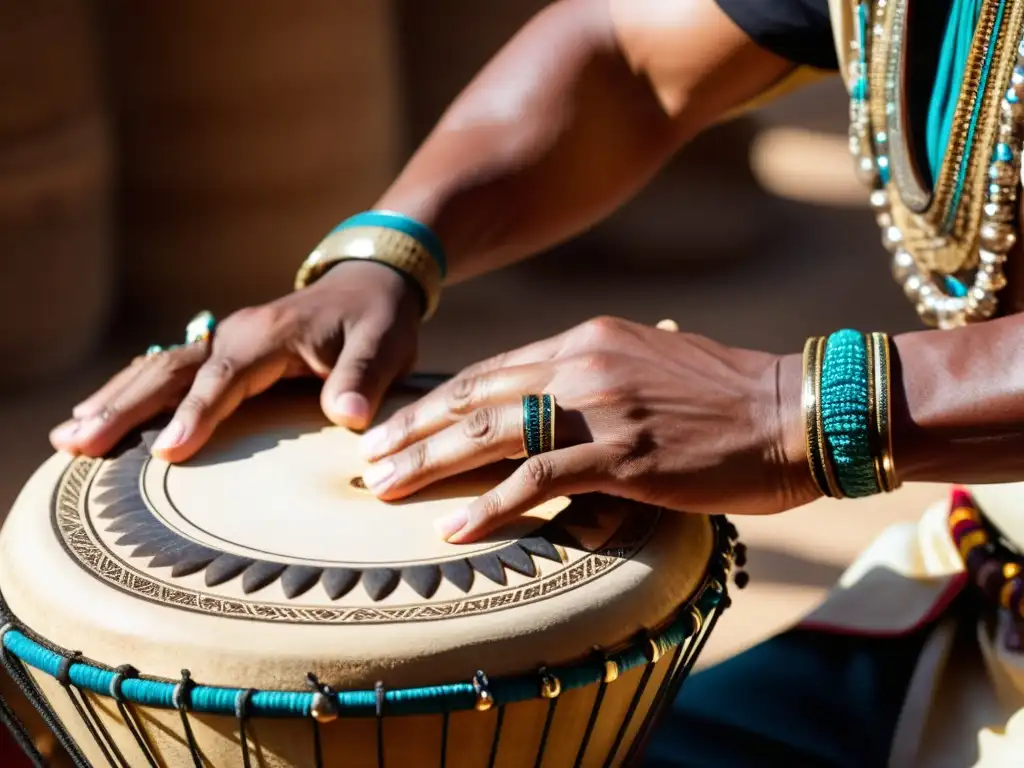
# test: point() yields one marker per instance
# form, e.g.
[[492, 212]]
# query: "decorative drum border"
[[73, 530]]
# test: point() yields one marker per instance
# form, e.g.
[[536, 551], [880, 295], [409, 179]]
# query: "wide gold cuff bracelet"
[[384, 245]]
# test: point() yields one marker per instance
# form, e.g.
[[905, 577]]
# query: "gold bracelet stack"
[[846, 404], [389, 239], [880, 388], [817, 450]]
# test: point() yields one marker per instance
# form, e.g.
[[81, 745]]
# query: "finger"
[[486, 436], [367, 365], [580, 469], [451, 402], [535, 352], [156, 384], [95, 403], [220, 385]]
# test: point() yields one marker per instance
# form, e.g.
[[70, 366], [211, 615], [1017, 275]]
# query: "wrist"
[[382, 279], [789, 438]]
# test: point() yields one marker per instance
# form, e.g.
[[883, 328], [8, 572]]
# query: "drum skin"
[[262, 559]]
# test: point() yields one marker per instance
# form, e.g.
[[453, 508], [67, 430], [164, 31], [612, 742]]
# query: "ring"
[[538, 423], [199, 329]]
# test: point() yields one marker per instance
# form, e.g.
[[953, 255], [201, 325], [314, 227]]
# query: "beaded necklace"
[[949, 244], [996, 569]]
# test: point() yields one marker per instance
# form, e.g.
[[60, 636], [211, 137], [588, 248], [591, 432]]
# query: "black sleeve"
[[798, 30]]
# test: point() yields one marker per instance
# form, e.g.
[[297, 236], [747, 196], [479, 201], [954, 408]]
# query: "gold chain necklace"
[[968, 222]]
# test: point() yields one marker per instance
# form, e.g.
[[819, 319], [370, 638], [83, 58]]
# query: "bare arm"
[[570, 119]]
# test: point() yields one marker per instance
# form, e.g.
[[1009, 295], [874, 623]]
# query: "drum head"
[[263, 558]]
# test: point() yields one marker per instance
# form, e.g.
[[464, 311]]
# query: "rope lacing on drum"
[[322, 709], [182, 700], [12, 722], [379, 698], [241, 713], [550, 689], [84, 707], [16, 670], [128, 672]]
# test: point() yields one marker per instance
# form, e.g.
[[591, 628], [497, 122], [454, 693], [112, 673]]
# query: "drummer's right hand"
[[356, 328]]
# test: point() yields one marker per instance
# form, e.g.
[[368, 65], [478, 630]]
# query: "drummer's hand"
[[356, 327], [661, 417]]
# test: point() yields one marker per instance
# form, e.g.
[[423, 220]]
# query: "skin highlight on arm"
[[572, 118]]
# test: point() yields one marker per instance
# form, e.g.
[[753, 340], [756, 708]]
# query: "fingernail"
[[377, 475], [172, 436], [447, 527], [374, 442], [65, 431], [352, 406]]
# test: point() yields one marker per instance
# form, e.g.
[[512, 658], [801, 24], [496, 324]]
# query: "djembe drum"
[[274, 613]]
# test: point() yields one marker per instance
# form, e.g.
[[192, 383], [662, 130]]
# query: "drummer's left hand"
[[657, 416]]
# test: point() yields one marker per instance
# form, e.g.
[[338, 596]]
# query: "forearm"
[[568, 121], [959, 404]]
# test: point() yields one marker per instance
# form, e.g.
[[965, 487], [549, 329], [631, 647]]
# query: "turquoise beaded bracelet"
[[846, 413], [846, 404]]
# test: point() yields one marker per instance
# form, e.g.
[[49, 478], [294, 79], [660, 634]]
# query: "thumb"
[[355, 387], [539, 479]]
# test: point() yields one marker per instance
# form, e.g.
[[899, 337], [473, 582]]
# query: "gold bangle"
[[874, 443], [883, 409], [809, 403], [826, 461], [390, 247]]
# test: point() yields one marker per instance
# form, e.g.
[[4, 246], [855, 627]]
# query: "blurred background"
[[164, 157]]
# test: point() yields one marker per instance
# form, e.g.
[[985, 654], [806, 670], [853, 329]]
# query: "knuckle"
[[241, 318], [538, 472], [488, 507], [192, 407], [359, 365], [462, 394], [168, 363], [264, 320], [482, 425], [402, 424], [108, 413], [219, 369], [417, 458], [600, 331], [599, 367]]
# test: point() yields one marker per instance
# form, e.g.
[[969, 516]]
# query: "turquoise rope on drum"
[[845, 413], [404, 224], [91, 677]]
